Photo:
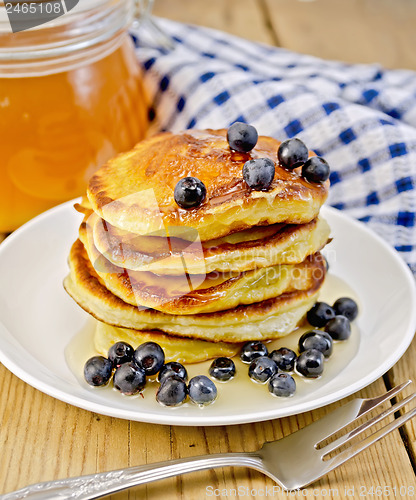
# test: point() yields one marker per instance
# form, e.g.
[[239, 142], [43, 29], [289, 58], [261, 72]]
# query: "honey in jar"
[[71, 97]]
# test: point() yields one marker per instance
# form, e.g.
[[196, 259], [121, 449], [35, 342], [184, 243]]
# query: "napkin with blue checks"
[[360, 118]]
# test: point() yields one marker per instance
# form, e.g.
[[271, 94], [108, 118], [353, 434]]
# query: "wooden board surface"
[[43, 439], [367, 31], [245, 18]]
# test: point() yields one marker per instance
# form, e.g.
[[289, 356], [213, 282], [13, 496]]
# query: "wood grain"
[[239, 17], [366, 31], [42, 439], [406, 369]]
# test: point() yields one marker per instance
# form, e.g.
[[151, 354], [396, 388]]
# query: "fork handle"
[[105, 483]]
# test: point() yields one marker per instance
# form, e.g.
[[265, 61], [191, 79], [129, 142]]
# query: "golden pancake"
[[195, 294], [135, 190], [258, 246], [180, 349], [268, 319]]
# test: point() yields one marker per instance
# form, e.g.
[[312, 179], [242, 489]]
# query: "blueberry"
[[252, 350], [284, 358], [259, 173], [316, 339], [98, 370], [346, 307], [119, 353], [129, 378], [189, 192], [316, 170], [339, 328], [282, 385], [172, 368], [172, 391], [202, 390], [320, 314], [242, 137], [222, 369], [310, 363], [261, 369], [292, 153], [150, 357]]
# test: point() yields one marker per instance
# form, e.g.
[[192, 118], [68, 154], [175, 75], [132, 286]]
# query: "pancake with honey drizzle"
[[180, 349], [135, 190], [268, 319], [195, 294], [259, 246]]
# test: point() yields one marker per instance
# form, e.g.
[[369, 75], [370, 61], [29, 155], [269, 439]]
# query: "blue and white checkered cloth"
[[361, 118]]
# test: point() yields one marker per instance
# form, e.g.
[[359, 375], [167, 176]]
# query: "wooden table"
[[42, 438]]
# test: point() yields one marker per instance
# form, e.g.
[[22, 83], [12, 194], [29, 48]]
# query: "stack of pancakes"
[[244, 265]]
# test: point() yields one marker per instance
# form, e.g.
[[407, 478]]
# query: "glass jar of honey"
[[71, 97]]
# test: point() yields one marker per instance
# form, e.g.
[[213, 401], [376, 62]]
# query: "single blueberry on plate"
[[242, 137], [150, 357], [346, 307], [98, 371], [284, 358], [170, 369], [119, 353], [172, 391], [282, 385], [339, 328], [129, 378], [251, 350], [292, 153], [259, 173], [316, 339], [261, 369], [222, 369], [189, 192], [320, 314], [202, 390], [316, 170], [310, 363]]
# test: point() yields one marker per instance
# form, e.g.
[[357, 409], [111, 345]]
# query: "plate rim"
[[242, 418]]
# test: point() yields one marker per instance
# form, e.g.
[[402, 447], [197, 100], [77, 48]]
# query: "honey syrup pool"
[[241, 387]]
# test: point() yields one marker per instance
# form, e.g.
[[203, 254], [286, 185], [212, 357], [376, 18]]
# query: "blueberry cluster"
[[270, 367], [336, 319], [258, 173], [129, 369], [293, 154], [314, 347]]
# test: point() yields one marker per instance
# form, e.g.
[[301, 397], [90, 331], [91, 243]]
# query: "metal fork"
[[293, 461]]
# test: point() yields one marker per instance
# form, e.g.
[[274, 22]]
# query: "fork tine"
[[366, 425], [333, 422], [371, 403], [356, 448]]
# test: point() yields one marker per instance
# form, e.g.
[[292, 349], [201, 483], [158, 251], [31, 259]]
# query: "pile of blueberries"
[[130, 368], [258, 173], [314, 347]]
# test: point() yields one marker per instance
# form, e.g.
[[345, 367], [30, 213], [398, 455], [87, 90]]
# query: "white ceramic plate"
[[38, 320]]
